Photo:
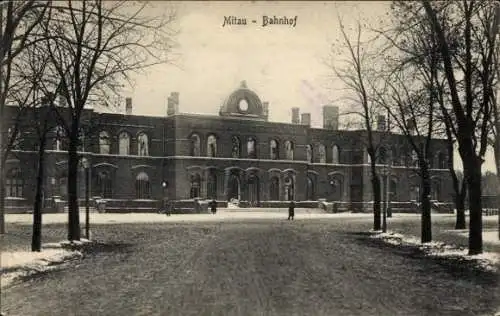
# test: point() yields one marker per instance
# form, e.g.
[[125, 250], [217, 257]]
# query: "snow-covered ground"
[[489, 235], [110, 218], [23, 263], [487, 260]]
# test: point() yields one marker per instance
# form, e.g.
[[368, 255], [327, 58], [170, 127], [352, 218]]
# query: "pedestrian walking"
[[167, 207], [291, 210], [213, 206]]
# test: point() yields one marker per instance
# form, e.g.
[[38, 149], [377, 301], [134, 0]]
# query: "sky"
[[284, 65]]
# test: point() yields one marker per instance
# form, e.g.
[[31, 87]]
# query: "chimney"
[[381, 123], [62, 101], [295, 116], [128, 106], [331, 117], [173, 103], [265, 108], [306, 119], [411, 126]]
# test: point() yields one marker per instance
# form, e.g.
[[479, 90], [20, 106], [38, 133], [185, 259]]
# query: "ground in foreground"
[[250, 267]]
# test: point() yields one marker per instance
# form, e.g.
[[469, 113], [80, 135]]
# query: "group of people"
[[167, 208]]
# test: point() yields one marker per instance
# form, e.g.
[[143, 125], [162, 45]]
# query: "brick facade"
[[225, 170]]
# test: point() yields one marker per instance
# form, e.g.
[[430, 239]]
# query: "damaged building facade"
[[238, 154]]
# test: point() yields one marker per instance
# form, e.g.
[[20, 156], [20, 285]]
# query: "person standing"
[[213, 206], [167, 206], [291, 210]]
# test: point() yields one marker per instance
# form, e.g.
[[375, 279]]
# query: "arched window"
[[289, 188], [442, 163], [104, 143], [414, 158], [81, 140], [195, 145], [251, 150], [322, 153], [310, 189], [142, 186], [211, 146], [274, 189], [59, 138], [382, 155], [336, 185], [63, 185], [195, 186], [16, 139], [236, 147], [394, 156], [212, 184], [393, 190], [142, 144], [14, 183], [104, 184], [335, 154], [402, 156], [124, 144], [289, 150], [309, 154], [274, 150], [436, 190], [415, 193]]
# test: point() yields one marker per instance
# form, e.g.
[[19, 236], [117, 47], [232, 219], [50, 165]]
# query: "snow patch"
[[24, 263], [486, 260]]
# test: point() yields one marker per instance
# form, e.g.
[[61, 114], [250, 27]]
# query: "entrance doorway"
[[253, 190], [234, 191]]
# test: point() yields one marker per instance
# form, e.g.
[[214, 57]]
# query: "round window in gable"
[[243, 105]]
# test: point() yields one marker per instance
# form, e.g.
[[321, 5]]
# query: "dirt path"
[[267, 267]]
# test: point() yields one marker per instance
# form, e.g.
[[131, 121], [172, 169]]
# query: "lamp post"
[[85, 165], [385, 173], [388, 197], [164, 185]]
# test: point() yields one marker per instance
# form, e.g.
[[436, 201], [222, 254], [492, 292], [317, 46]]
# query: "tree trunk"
[[426, 204], [496, 150], [376, 197], [460, 206], [36, 241], [472, 171], [2, 197], [73, 210]]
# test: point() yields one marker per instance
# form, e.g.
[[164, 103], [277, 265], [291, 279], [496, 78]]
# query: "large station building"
[[237, 154]]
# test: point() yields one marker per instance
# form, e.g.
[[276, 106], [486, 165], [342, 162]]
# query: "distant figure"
[[291, 210], [167, 207], [213, 206]]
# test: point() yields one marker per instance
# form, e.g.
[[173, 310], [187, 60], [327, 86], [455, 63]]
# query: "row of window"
[[59, 142], [124, 148], [105, 185], [251, 149], [439, 162], [14, 185], [124, 143], [274, 152]]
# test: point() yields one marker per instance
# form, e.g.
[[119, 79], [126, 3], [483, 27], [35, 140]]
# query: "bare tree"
[[411, 38], [496, 107], [459, 185], [472, 106], [355, 74], [93, 47], [409, 94], [18, 19]]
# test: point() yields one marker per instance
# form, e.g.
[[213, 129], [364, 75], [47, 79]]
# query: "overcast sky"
[[284, 65]]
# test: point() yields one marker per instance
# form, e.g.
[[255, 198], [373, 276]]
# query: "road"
[[249, 267]]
